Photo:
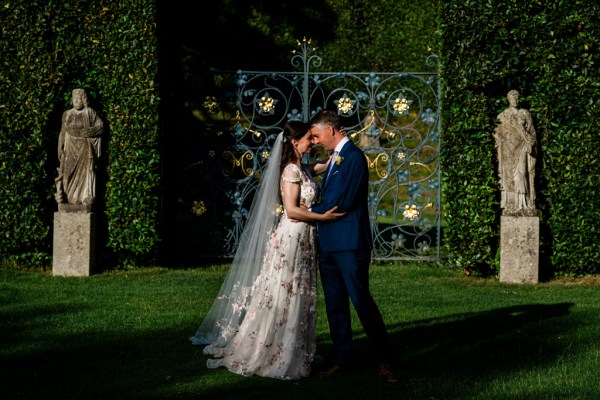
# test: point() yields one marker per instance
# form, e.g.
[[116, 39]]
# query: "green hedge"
[[546, 50], [109, 49], [48, 49], [385, 35], [549, 52]]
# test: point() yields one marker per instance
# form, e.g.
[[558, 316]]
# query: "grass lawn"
[[124, 335]]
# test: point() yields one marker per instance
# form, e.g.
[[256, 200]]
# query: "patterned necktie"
[[333, 156]]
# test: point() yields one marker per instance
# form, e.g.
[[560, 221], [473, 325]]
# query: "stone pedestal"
[[74, 243], [519, 249]]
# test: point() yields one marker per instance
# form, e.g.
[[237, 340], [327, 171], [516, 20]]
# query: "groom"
[[345, 248]]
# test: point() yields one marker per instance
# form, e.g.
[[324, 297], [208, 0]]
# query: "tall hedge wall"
[[109, 48], [384, 35], [548, 50], [47, 49]]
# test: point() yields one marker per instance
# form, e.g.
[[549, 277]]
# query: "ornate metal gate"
[[393, 117]]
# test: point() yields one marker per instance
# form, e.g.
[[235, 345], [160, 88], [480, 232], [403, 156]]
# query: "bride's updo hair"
[[292, 130]]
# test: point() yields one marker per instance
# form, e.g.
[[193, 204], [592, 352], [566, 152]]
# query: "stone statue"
[[516, 145], [79, 147]]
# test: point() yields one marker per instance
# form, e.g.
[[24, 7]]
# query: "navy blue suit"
[[345, 255]]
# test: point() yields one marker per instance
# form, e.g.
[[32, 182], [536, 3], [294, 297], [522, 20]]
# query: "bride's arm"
[[291, 203]]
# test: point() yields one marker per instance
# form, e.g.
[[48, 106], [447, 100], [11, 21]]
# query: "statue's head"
[[79, 99], [513, 98]]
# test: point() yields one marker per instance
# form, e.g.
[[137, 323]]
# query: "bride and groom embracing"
[[263, 321]]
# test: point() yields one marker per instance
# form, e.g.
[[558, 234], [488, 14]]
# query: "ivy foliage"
[[546, 50], [110, 49], [549, 52], [382, 35], [47, 50]]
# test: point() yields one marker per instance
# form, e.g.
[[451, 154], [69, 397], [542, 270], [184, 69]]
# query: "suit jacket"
[[347, 186]]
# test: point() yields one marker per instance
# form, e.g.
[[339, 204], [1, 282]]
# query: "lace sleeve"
[[291, 174]]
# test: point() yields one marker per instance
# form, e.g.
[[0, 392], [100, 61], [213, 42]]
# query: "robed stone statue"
[[79, 147], [516, 143]]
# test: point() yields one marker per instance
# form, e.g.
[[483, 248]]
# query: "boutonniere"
[[338, 160]]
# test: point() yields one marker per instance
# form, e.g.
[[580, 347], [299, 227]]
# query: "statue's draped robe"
[[79, 148], [515, 137]]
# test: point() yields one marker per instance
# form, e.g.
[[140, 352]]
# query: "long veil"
[[228, 309]]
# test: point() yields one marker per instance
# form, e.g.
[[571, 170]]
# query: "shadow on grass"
[[439, 358], [486, 342], [94, 365]]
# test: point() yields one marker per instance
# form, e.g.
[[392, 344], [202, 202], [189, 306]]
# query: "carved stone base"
[[74, 244], [519, 249]]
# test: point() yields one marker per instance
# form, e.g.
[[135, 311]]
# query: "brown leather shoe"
[[386, 371], [333, 371]]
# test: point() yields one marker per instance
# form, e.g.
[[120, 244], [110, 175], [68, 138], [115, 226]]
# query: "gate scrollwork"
[[393, 117]]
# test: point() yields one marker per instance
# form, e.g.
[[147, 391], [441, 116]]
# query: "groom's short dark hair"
[[327, 117]]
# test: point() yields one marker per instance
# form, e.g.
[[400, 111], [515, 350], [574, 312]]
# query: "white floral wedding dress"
[[277, 336]]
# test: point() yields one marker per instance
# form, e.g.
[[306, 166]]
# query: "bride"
[[264, 317]]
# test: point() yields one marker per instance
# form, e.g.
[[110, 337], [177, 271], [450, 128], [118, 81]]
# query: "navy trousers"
[[345, 278]]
